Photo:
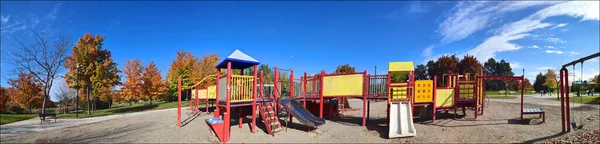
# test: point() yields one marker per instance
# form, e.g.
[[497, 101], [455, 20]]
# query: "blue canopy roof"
[[239, 60]]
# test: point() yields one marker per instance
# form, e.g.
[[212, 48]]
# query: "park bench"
[[47, 116], [536, 111]]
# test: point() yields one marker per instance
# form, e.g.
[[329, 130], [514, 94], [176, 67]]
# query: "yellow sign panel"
[[202, 94], [423, 91], [444, 97], [401, 67], [398, 93], [212, 92], [343, 85]]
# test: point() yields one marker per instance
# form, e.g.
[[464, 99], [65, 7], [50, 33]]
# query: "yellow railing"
[[398, 93], [241, 88], [466, 91]]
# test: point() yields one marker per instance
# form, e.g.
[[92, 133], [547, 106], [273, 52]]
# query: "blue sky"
[[314, 36]]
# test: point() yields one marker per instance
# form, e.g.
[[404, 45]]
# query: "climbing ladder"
[[270, 118]]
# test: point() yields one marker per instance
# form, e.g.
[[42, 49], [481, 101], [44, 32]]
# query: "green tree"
[[431, 71], [421, 72], [538, 84], [494, 68], [267, 73]]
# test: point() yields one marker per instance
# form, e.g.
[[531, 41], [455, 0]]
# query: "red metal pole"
[[254, 100], [476, 95], [364, 99], [179, 101], [291, 92], [568, 111], [522, 93], [304, 81], [448, 80], [321, 95], [217, 113], [434, 96], [227, 114], [562, 99], [389, 94], [278, 88]]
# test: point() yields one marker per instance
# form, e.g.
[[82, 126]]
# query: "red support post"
[[179, 101], [568, 111], [364, 99], [291, 93], [304, 81], [227, 114], [254, 99], [562, 99], [476, 96], [217, 113], [434, 96], [321, 95], [522, 93], [389, 93], [277, 89], [197, 97]]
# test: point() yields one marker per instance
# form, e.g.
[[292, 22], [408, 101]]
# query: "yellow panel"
[[398, 93], [212, 92], [202, 94], [343, 85], [444, 97], [401, 67], [423, 91]]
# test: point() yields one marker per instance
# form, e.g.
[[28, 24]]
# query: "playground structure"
[[310, 98], [565, 108]]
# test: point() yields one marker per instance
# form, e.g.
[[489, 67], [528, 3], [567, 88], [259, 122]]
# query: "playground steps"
[[270, 118]]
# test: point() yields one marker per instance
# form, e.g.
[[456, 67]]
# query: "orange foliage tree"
[[4, 98], [133, 80], [91, 68], [27, 92], [152, 82]]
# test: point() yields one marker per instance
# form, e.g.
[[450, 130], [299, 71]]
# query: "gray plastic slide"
[[301, 114]]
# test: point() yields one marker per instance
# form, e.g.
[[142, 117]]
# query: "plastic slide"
[[301, 114], [401, 121]]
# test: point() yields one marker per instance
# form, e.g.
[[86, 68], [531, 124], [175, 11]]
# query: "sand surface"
[[499, 123]]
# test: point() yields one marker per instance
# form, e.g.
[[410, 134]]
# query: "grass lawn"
[[125, 108], [584, 99], [502, 92], [501, 96], [9, 118]]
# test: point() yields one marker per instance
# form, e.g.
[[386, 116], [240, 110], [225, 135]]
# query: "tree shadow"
[[133, 109], [545, 138], [101, 136]]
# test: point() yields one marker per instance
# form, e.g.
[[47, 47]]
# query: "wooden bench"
[[47, 116], [536, 111]]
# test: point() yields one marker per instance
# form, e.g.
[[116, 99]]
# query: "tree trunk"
[[67, 109], [44, 107], [88, 99]]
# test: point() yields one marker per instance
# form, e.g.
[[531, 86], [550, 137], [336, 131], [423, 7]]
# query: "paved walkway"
[[34, 125], [541, 100]]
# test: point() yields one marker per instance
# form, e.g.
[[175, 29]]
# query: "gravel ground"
[[499, 124]]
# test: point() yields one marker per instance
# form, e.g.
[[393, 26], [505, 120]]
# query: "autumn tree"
[[27, 92], [4, 98], [469, 64], [133, 80], [42, 59], [152, 83], [206, 67], [528, 85], [443, 64], [267, 72], [551, 80], [91, 69], [181, 66]]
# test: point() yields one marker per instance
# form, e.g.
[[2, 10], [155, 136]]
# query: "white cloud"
[[515, 65], [559, 25], [554, 51], [427, 52], [556, 40], [469, 17], [543, 68], [574, 53], [534, 46], [4, 19], [549, 47], [522, 28], [54, 12], [417, 7]]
